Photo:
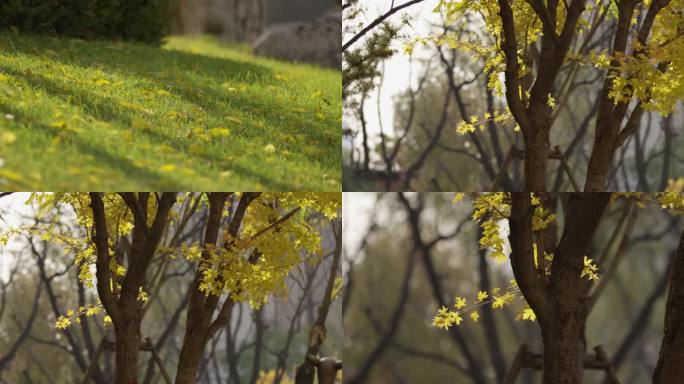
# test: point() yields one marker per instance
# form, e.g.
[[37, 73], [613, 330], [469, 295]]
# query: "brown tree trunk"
[[559, 299], [199, 325], [190, 357], [564, 348], [536, 159], [670, 368], [599, 164], [127, 351]]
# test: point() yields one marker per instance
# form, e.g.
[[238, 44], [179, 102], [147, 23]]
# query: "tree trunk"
[[246, 20], [559, 300], [599, 163], [127, 351], [536, 159], [564, 348], [191, 353], [670, 368]]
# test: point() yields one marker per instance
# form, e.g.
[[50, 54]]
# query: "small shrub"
[[138, 20]]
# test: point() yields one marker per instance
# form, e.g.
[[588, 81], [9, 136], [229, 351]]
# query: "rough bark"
[[670, 368], [126, 311], [558, 300], [536, 158], [564, 347], [127, 351]]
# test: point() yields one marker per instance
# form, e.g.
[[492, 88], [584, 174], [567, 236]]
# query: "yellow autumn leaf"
[[61, 124], [528, 314], [8, 137], [219, 132], [167, 168]]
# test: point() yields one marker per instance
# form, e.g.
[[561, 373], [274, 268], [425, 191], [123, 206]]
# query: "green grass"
[[192, 115]]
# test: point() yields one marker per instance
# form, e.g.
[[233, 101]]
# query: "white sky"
[[356, 211], [396, 68], [12, 207]]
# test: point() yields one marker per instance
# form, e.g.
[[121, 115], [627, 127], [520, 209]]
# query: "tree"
[[542, 42], [669, 368], [555, 276], [306, 371], [251, 242], [561, 70]]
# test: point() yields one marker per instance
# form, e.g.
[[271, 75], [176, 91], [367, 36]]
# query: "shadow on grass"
[[101, 108], [144, 62], [101, 156]]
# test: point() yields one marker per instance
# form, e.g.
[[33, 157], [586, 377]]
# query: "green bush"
[[139, 20]]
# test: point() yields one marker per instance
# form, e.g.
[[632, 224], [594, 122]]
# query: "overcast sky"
[[396, 68], [12, 207]]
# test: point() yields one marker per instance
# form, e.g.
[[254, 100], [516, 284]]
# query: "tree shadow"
[[100, 155], [124, 59], [102, 108]]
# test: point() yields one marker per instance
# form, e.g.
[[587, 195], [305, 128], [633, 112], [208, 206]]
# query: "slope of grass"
[[192, 115]]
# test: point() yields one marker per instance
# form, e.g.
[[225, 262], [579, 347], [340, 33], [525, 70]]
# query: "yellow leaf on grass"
[[270, 149], [8, 137], [219, 132], [61, 124], [167, 168], [102, 82]]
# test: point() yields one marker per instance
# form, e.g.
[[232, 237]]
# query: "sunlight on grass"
[[195, 115]]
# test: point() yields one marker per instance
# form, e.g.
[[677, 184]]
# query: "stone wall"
[[318, 42]]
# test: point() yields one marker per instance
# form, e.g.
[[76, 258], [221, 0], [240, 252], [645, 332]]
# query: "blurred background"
[[295, 30], [394, 290], [221, 16]]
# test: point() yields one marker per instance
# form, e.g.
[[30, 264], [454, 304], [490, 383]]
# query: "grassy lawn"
[[192, 115]]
